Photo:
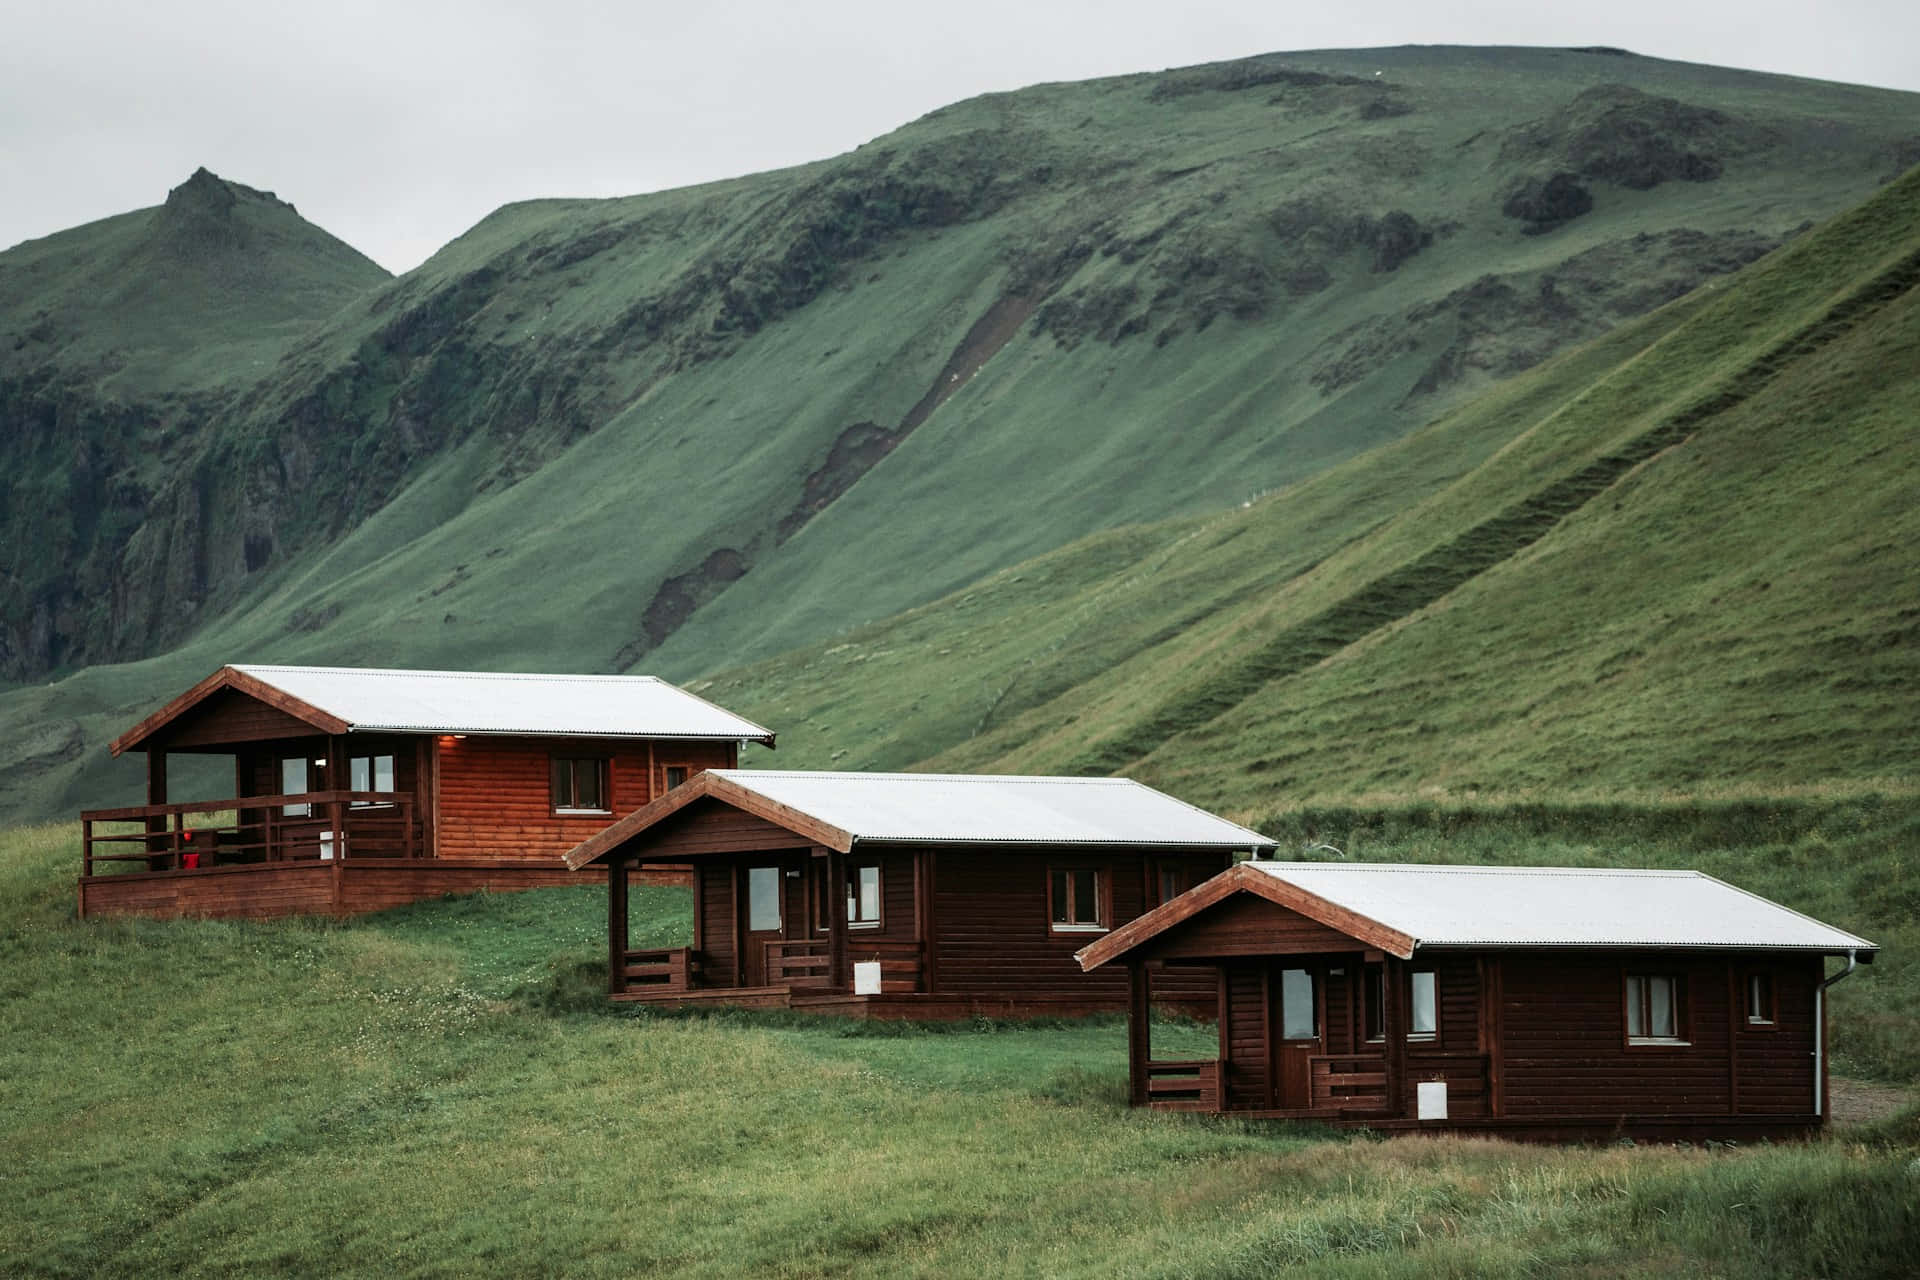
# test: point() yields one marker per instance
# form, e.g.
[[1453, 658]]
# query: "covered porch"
[[796, 927], [1335, 1036]]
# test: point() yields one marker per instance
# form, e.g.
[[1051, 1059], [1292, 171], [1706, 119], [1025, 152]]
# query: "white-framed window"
[[863, 896], [1760, 1007], [1654, 1009], [580, 784], [1299, 1011], [1423, 1005], [1077, 899], [293, 782], [763, 899], [369, 773]]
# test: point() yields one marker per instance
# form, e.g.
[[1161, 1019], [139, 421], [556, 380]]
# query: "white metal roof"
[[989, 809], [486, 702], [1452, 906]]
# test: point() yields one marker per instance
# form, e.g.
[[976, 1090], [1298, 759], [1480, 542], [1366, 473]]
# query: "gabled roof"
[[838, 810], [1402, 908], [371, 699]]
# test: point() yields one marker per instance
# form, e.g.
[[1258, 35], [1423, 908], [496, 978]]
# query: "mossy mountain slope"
[[1677, 559], [682, 431]]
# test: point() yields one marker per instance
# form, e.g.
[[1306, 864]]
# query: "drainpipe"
[[1820, 1033]]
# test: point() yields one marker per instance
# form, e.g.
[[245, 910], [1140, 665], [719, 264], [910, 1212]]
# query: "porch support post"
[[157, 824], [838, 975], [616, 925], [1393, 1025], [1139, 1030]]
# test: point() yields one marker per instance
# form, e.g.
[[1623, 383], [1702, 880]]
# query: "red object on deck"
[[191, 861]]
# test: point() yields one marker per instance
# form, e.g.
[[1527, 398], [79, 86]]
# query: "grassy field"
[[440, 1090]]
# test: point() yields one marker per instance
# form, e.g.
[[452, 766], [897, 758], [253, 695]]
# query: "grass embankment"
[[438, 1091]]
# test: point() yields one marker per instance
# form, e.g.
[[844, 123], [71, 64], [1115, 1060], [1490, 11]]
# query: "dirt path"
[[1856, 1103]]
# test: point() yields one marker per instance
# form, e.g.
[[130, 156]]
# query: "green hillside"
[[123, 344], [1677, 560], [689, 430]]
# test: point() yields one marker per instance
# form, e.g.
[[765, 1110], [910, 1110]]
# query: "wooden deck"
[[339, 888]]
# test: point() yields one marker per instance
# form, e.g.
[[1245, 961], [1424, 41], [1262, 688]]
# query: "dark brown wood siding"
[[1246, 925], [1243, 1031], [1564, 1037], [994, 937], [226, 717], [1775, 1066], [496, 801], [710, 826]]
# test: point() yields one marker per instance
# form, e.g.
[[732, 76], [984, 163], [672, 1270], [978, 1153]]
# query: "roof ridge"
[[896, 775], [1485, 869], [465, 675]]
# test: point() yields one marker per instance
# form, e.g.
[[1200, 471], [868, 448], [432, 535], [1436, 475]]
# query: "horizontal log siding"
[[263, 891], [715, 881], [708, 827], [495, 800], [994, 942], [1565, 1046], [1244, 1083], [1342, 1027], [898, 919], [1776, 1066], [228, 716], [227, 893], [1246, 925]]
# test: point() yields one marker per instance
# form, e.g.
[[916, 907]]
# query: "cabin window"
[[1173, 883], [676, 774], [1299, 1016], [1375, 1012], [1423, 1010], [763, 899], [863, 896], [1654, 1013], [1076, 899], [580, 784], [369, 773], [293, 782], [1760, 1009]]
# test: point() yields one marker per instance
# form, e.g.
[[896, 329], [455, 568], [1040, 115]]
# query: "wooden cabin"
[[905, 895], [1551, 1003], [356, 789]]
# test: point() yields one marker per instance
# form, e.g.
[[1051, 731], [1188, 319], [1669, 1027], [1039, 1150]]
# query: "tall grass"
[[400, 1094]]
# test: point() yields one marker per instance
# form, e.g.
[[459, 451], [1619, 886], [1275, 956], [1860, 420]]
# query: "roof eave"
[[227, 677]]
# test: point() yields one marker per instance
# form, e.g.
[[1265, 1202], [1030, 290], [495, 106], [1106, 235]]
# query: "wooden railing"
[[1348, 1080], [799, 964], [1184, 1086], [808, 962], [1358, 1082], [663, 968], [315, 826]]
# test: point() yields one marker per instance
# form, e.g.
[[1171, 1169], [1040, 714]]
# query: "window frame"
[[604, 764], [1682, 1037], [1102, 900], [1771, 992], [305, 761], [1431, 1036], [372, 760], [666, 776], [1373, 1003], [879, 895]]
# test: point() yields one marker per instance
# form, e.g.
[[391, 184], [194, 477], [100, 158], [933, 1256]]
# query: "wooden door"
[[763, 899], [1295, 1023]]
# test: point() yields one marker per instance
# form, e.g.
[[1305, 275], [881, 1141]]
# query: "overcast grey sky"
[[398, 125]]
